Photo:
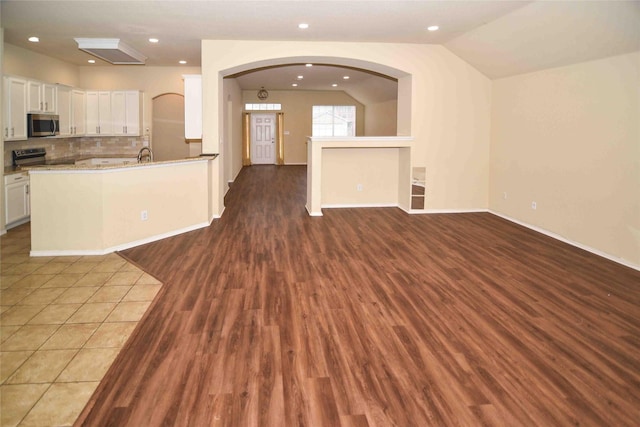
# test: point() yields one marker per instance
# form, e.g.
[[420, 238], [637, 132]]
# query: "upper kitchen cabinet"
[[126, 112], [192, 106], [41, 97], [78, 112], [98, 116], [64, 110], [71, 110], [15, 109]]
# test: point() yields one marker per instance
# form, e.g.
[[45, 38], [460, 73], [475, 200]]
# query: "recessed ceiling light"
[[303, 26], [294, 84], [182, 62], [335, 85], [34, 39], [346, 77], [300, 77], [308, 65], [433, 28], [153, 40], [91, 61]]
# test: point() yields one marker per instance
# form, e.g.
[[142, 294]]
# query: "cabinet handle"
[[27, 188], [12, 132], [6, 132], [46, 106], [41, 105]]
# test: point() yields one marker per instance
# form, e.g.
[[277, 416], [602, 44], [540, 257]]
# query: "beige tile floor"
[[63, 321]]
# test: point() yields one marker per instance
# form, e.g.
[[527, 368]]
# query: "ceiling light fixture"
[[335, 85], [303, 26], [433, 28], [346, 77], [34, 39], [153, 40], [294, 84], [263, 94], [182, 62], [111, 50], [300, 77], [308, 65], [91, 61]]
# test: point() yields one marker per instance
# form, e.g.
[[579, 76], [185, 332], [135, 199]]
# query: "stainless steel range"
[[29, 157]]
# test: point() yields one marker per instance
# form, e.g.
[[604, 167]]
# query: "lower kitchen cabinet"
[[16, 195]]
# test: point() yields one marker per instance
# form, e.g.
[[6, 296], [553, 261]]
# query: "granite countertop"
[[68, 163]]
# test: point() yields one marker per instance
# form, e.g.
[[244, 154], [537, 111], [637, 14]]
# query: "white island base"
[[98, 210]]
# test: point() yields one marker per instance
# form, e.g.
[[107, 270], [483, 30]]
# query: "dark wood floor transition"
[[372, 317]]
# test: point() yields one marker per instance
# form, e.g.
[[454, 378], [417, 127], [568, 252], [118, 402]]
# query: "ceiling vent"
[[111, 50]]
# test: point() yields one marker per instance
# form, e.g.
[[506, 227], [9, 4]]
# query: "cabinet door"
[[133, 114], [49, 98], [125, 112], [34, 94], [104, 106], [78, 108], [192, 106], [93, 113], [119, 112], [17, 201], [15, 109], [64, 110]]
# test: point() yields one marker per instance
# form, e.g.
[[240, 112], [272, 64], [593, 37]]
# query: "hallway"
[[372, 317]]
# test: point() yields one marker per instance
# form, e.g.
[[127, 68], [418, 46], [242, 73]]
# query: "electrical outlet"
[[133, 143], [144, 215], [534, 205], [97, 144], [504, 195], [53, 147], [359, 187]]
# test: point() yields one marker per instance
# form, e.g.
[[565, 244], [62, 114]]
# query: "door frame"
[[246, 137]]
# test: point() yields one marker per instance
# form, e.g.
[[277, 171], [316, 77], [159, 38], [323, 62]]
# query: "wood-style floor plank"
[[372, 317]]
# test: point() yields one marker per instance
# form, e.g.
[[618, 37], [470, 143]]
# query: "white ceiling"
[[499, 38]]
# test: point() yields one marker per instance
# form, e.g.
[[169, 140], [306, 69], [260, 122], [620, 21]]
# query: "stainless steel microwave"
[[43, 125]]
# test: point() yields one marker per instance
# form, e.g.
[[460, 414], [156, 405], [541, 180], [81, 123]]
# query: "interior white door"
[[263, 143]]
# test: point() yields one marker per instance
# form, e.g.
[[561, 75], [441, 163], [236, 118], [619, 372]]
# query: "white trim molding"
[[82, 252], [553, 235]]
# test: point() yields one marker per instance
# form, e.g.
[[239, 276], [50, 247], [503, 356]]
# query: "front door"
[[263, 146]]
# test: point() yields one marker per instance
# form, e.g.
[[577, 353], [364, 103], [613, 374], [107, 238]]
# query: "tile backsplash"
[[58, 148]]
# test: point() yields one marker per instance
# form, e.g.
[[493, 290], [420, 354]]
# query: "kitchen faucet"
[[141, 155]]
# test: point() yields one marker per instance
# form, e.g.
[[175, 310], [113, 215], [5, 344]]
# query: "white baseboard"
[[312, 213], [553, 235], [295, 164], [84, 252], [217, 216], [350, 206], [446, 211], [3, 232]]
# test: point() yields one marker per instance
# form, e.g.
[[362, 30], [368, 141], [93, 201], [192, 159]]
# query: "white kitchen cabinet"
[[192, 106], [78, 112], [71, 110], [16, 195], [98, 116], [126, 112], [15, 109], [64, 110], [41, 97]]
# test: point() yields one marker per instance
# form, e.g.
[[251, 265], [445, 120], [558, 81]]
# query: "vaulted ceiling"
[[499, 38]]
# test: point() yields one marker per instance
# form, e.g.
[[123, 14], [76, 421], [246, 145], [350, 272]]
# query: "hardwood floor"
[[372, 317]]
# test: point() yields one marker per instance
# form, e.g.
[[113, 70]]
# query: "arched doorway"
[[168, 127]]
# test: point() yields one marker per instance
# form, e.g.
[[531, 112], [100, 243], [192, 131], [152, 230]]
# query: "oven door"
[[43, 125]]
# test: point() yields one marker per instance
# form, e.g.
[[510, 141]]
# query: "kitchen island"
[[98, 209]]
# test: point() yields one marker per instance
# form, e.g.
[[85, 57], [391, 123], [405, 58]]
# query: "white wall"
[[232, 149], [569, 139]]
